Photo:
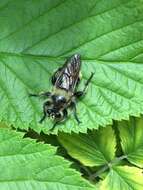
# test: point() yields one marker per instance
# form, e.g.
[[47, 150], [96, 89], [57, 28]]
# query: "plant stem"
[[117, 160], [103, 169], [107, 166]]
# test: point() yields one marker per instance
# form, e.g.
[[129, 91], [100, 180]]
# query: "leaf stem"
[[103, 169], [108, 166]]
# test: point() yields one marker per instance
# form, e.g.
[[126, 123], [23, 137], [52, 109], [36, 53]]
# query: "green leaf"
[[25, 164], [37, 36], [123, 178], [93, 149], [131, 134]]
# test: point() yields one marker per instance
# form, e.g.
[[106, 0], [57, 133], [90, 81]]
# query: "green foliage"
[[37, 36], [123, 178], [132, 140], [26, 164], [92, 149], [99, 148]]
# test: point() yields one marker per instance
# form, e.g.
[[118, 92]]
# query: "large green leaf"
[[123, 178], [131, 134], [25, 164], [93, 149], [37, 36]]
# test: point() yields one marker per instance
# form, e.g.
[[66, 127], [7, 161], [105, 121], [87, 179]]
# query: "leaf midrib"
[[93, 82], [62, 58], [121, 177]]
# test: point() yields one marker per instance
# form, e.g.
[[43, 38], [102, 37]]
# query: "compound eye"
[[61, 100]]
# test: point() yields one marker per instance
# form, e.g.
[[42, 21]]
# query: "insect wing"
[[56, 75], [69, 74]]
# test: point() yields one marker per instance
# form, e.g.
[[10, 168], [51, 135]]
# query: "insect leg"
[[81, 93], [55, 124], [45, 105], [43, 94], [43, 118], [73, 106], [65, 114]]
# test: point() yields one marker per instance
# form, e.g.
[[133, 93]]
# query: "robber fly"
[[64, 94]]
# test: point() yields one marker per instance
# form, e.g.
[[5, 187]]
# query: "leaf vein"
[[69, 26], [33, 19], [100, 36]]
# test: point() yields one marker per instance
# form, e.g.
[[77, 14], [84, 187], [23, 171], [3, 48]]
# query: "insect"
[[64, 93]]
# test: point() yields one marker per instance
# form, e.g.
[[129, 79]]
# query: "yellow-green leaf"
[[93, 149], [131, 134], [123, 178]]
